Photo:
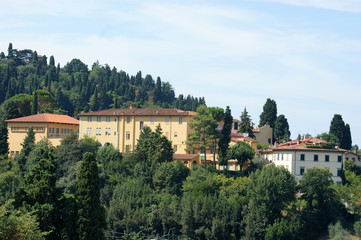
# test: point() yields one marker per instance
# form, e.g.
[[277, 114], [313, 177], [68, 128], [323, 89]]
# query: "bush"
[[357, 228], [337, 232]]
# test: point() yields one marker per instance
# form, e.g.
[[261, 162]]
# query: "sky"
[[304, 54]]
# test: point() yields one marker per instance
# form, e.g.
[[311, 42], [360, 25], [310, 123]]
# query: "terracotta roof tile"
[[46, 118], [302, 145], [140, 112]]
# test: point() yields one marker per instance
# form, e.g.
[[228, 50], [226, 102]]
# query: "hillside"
[[75, 88]]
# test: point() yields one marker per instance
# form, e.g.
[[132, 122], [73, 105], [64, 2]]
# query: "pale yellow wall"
[[121, 127], [18, 131], [264, 134]]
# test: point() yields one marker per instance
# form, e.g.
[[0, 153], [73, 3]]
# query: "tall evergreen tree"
[[10, 50], [94, 103], [34, 106], [269, 114], [40, 193], [246, 123], [337, 128], [347, 137], [28, 145], [91, 216], [282, 129], [4, 145], [225, 139], [157, 96]]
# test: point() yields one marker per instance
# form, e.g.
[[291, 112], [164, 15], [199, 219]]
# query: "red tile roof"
[[45, 118], [140, 112], [305, 144]]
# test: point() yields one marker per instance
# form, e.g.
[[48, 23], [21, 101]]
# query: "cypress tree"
[[4, 145], [10, 50], [347, 137], [52, 61], [223, 143], [269, 114], [34, 106], [337, 128], [91, 216]]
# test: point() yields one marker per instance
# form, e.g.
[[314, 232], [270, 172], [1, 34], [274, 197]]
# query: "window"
[[175, 134], [282, 156], [57, 132], [167, 120], [141, 125], [180, 120], [53, 130], [90, 118], [327, 158], [211, 154], [98, 131], [107, 131], [49, 130], [230, 167], [237, 167], [68, 131], [339, 171], [202, 155], [99, 118], [127, 135], [61, 131], [107, 119], [151, 120], [302, 157], [12, 153], [235, 125], [128, 120], [315, 158], [16, 153], [89, 131], [339, 158], [175, 148], [221, 167], [302, 170], [127, 148]]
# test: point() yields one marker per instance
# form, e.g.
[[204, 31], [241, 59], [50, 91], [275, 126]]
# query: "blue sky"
[[304, 54]]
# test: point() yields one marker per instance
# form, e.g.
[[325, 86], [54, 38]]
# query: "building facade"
[[264, 135], [300, 155], [54, 127], [122, 127]]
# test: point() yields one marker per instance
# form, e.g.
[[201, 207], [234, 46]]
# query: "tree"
[[282, 129], [329, 137], [204, 126], [269, 191], [225, 138], [91, 216], [4, 145], [39, 192], [243, 152], [269, 114], [246, 124], [34, 105], [157, 95], [28, 146], [347, 137], [337, 128]]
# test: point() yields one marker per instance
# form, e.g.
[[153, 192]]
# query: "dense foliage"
[[41, 86]]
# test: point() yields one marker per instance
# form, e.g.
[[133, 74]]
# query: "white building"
[[298, 156]]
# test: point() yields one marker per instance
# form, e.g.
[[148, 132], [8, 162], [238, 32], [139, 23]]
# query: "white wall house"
[[298, 156]]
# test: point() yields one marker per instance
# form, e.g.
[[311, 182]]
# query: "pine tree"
[[225, 139], [4, 145], [91, 216], [246, 124], [34, 106], [282, 129]]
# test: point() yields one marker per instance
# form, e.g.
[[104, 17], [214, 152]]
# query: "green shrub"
[[357, 228], [337, 232]]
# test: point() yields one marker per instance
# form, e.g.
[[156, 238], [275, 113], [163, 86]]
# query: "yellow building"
[[122, 127], [55, 127], [232, 163]]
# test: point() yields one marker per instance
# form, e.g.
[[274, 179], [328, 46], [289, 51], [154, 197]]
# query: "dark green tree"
[[40, 193], [10, 50], [329, 137], [34, 105], [91, 215], [157, 96], [246, 124], [243, 152], [94, 102], [347, 137], [269, 114], [28, 146], [282, 129], [4, 145], [225, 138]]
